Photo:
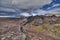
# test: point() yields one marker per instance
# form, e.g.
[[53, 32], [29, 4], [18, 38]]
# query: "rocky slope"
[[31, 28]]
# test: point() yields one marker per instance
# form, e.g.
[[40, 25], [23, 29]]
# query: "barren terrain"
[[31, 28]]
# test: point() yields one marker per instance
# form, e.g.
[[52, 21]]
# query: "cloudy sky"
[[44, 7], [24, 3]]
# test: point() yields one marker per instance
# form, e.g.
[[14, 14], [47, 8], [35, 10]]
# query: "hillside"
[[31, 28]]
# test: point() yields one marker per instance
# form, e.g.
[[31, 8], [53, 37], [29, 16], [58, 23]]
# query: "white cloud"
[[42, 12], [38, 12], [25, 14], [56, 5], [28, 4], [7, 16], [53, 11], [24, 3], [7, 9]]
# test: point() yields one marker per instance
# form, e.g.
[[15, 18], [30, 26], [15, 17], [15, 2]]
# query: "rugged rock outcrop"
[[31, 28]]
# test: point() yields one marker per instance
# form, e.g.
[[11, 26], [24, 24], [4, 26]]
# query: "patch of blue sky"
[[49, 6]]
